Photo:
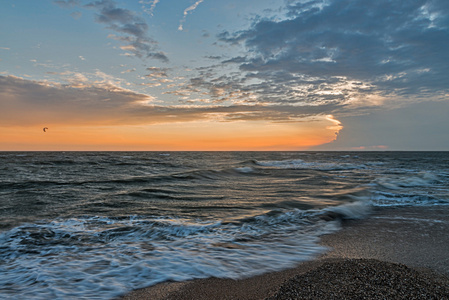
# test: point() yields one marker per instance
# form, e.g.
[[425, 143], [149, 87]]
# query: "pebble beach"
[[393, 254]]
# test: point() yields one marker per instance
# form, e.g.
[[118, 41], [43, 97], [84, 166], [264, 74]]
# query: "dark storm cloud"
[[399, 47]]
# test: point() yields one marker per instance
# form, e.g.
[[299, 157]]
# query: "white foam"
[[281, 163], [88, 257], [384, 199], [421, 179], [358, 209], [245, 170], [412, 220], [299, 164]]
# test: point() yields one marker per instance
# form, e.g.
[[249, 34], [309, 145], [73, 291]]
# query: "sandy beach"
[[395, 253]]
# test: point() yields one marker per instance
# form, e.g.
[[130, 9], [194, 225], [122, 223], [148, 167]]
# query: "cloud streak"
[[67, 3], [128, 27], [131, 29], [187, 11], [152, 7]]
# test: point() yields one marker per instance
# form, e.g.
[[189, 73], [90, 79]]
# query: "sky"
[[165, 75]]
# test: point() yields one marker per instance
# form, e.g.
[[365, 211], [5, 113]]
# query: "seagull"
[[45, 129]]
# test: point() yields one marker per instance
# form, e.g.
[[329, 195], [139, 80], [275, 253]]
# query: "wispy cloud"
[[152, 3], [128, 27], [188, 10], [131, 29], [129, 71], [67, 3], [76, 15], [158, 73]]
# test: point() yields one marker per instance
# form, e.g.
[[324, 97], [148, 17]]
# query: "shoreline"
[[414, 238]]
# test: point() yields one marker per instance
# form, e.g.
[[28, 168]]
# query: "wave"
[[110, 256], [214, 174], [405, 189], [186, 216], [382, 198], [244, 170], [358, 209], [299, 164], [421, 179]]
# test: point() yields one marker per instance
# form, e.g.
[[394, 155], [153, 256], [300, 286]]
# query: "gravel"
[[363, 279]]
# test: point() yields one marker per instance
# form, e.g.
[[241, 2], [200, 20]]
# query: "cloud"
[[82, 101], [419, 126], [129, 71], [132, 29], [205, 34], [188, 10], [158, 73], [76, 15], [67, 3], [27, 103], [213, 57], [157, 77], [342, 51], [152, 7], [129, 28]]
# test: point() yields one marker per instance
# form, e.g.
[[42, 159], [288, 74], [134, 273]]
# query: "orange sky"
[[203, 135], [169, 75]]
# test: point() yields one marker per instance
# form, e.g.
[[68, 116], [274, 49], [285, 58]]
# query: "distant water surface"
[[95, 225]]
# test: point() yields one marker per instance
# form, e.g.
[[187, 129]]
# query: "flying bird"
[[45, 129]]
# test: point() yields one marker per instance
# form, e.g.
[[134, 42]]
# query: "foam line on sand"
[[394, 254]]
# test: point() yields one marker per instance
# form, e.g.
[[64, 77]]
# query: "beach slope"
[[393, 254]]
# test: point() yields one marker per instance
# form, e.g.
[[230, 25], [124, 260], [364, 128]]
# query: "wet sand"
[[395, 253]]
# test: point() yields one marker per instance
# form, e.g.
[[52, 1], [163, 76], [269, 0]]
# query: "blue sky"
[[374, 74]]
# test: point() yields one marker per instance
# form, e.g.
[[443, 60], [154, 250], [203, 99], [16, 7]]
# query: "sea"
[[96, 225]]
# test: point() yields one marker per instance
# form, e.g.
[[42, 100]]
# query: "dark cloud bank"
[[397, 46]]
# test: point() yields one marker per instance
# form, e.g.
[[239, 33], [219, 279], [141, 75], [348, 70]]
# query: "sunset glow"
[[193, 136], [208, 75]]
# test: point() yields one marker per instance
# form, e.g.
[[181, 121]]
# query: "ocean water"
[[95, 225]]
